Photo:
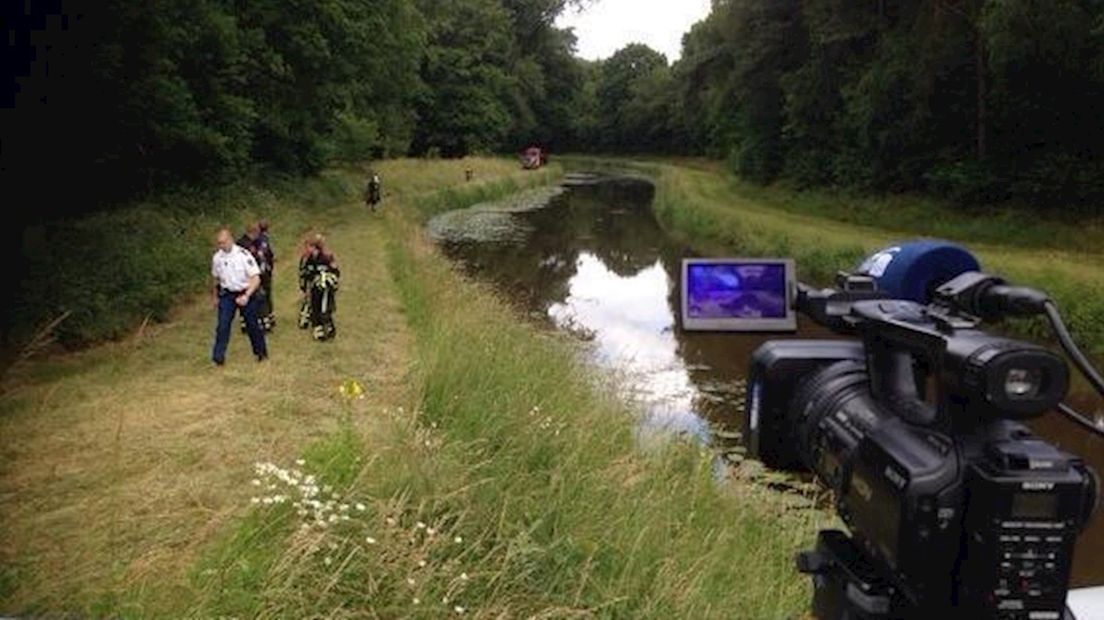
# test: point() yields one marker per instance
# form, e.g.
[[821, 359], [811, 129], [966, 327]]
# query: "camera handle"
[[903, 349], [892, 347], [894, 381], [962, 301]]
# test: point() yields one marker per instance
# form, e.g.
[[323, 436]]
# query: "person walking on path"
[[318, 279], [373, 191], [264, 246], [236, 278], [250, 240], [255, 240]]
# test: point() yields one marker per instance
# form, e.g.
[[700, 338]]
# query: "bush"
[[355, 139], [967, 182], [1061, 179]]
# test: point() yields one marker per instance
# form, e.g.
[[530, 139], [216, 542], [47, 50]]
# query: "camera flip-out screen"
[[738, 294]]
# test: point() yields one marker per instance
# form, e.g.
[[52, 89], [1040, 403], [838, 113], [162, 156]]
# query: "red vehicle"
[[532, 158]]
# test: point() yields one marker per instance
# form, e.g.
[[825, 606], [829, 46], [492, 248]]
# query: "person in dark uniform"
[[254, 243], [373, 191], [264, 248], [318, 279], [236, 280]]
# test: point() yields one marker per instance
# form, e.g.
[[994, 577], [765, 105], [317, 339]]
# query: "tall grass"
[[124, 462], [515, 488], [607, 528], [433, 203]]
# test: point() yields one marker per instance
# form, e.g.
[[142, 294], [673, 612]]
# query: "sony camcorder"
[[914, 420]]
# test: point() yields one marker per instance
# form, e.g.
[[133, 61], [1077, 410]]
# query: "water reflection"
[[635, 334], [596, 263]]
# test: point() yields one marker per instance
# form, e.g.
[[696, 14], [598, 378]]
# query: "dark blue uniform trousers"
[[226, 309]]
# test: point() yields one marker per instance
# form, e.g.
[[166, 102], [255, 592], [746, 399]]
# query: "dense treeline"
[[121, 99], [975, 100]]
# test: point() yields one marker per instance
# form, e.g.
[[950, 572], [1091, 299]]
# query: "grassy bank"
[[716, 214], [605, 528]]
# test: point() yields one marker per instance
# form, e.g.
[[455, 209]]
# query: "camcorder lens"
[[1022, 384]]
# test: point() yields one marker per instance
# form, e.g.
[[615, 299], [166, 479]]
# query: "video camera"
[[955, 508]]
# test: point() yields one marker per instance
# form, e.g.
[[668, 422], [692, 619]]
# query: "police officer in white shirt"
[[237, 277]]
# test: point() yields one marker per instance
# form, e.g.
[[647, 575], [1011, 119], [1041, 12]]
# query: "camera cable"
[[1079, 360]]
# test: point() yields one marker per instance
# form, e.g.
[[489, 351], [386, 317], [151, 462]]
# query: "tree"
[[618, 85], [770, 41], [469, 88], [975, 100]]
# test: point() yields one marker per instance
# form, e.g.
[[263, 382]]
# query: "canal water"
[[590, 259]]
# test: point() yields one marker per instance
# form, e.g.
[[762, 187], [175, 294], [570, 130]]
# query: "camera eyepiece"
[[1011, 380]]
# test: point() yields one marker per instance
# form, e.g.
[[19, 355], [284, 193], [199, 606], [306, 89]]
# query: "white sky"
[[608, 25]]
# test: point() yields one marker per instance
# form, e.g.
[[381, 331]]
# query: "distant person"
[[318, 280], [373, 191], [237, 277], [469, 174]]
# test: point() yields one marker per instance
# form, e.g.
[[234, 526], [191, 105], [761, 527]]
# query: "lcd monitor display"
[[738, 294]]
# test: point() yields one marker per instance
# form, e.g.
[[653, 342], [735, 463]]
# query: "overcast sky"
[[608, 25]]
